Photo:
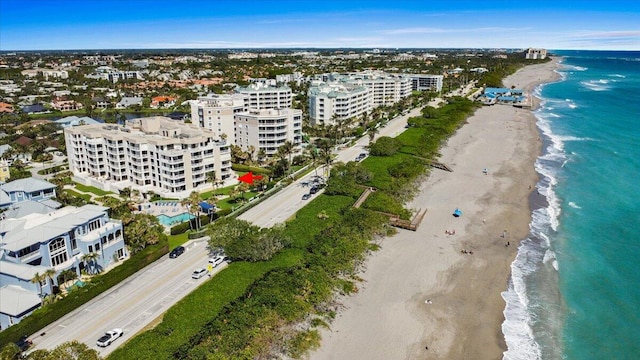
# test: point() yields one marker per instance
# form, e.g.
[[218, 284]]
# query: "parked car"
[[313, 190], [216, 260], [198, 273], [109, 337], [306, 196], [176, 252]]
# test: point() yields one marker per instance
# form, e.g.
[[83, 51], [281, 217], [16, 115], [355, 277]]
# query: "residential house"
[[100, 103], [163, 101], [66, 105], [33, 243], [76, 121], [127, 101], [27, 189], [34, 109], [6, 108]]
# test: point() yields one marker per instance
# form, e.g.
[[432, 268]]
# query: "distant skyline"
[[146, 24]]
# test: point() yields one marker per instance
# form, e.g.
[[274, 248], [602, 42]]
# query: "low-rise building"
[[156, 154], [27, 189], [425, 82], [58, 240], [128, 101]]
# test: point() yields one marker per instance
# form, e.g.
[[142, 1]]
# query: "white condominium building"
[[261, 96], [387, 89], [536, 54], [268, 129], [422, 82], [216, 112], [148, 154], [329, 102]]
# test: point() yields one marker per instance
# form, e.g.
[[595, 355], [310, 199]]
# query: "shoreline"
[[420, 289]]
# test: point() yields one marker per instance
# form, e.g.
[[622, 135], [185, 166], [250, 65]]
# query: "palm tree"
[[49, 274], [211, 177], [372, 134], [90, 258], [250, 153], [287, 150], [37, 279]]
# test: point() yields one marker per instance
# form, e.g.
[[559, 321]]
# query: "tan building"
[[216, 112], [155, 154], [4, 171], [535, 54], [268, 129]]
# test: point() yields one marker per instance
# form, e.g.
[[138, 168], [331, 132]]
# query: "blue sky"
[[136, 24]]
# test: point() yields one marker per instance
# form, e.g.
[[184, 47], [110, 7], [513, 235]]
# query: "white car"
[[216, 260], [109, 337], [198, 273]]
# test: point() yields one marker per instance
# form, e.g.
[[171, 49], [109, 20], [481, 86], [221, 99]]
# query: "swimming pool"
[[172, 220]]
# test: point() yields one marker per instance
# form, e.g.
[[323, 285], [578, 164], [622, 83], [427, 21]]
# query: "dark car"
[[23, 344], [314, 190], [306, 196], [176, 252]]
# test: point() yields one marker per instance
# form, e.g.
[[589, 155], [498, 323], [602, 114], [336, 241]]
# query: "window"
[[90, 248], [58, 251], [97, 246]]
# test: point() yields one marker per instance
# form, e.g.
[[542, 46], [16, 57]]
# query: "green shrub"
[[385, 146], [247, 168]]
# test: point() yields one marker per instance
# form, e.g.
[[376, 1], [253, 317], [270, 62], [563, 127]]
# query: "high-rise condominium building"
[[216, 112], [268, 129], [149, 154], [422, 82], [387, 89], [331, 102], [261, 96]]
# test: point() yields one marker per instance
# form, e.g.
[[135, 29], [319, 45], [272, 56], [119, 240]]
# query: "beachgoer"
[[454, 232]]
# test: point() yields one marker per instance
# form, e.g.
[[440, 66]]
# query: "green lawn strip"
[[187, 317], [307, 224], [379, 165], [85, 197], [228, 203], [91, 189], [175, 240]]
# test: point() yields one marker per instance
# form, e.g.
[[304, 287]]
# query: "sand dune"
[[420, 290]]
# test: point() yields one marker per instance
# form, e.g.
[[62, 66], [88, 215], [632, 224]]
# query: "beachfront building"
[[216, 112], [262, 96], [334, 101], [535, 54], [268, 129], [57, 240], [155, 154], [425, 82], [387, 89]]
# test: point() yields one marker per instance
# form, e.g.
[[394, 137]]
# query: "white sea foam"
[[574, 205], [575, 68], [617, 76], [596, 85], [536, 249]]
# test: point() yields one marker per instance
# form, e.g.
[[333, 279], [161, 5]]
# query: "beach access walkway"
[[394, 220]]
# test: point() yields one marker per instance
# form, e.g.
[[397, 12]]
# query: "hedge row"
[[253, 169], [204, 220], [98, 284]]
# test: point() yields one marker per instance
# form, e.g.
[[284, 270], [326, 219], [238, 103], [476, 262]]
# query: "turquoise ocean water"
[[575, 287]]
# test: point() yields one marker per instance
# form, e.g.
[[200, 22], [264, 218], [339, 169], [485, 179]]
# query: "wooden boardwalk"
[[394, 220]]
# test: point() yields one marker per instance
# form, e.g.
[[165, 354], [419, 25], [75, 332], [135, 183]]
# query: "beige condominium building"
[[334, 101], [262, 96], [155, 154], [268, 129], [216, 112], [387, 89]]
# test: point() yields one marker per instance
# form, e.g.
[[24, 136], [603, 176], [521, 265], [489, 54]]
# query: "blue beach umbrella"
[[457, 212]]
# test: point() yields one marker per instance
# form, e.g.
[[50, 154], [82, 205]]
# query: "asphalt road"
[[145, 296], [283, 205], [132, 304]]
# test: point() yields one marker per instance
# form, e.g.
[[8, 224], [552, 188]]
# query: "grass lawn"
[[228, 203], [85, 197], [91, 189], [189, 315], [175, 240]]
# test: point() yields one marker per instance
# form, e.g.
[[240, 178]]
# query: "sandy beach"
[[422, 296]]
